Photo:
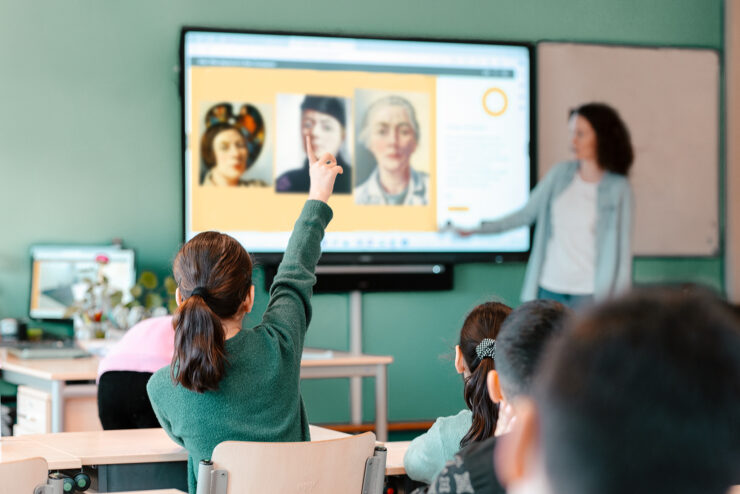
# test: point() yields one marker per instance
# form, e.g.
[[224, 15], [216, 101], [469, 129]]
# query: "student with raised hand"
[[226, 383], [641, 395], [520, 344], [474, 358]]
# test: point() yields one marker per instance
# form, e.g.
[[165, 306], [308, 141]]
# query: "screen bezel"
[[448, 257]]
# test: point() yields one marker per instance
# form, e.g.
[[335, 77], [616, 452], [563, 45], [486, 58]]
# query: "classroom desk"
[[158, 491], [65, 378], [20, 448], [139, 458], [394, 457]]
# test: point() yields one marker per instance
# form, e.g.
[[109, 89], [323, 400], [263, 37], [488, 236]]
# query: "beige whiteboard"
[[669, 99]]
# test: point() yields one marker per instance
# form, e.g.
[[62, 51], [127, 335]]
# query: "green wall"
[[90, 148]]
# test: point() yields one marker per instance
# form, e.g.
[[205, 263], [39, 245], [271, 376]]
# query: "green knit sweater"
[[259, 397]]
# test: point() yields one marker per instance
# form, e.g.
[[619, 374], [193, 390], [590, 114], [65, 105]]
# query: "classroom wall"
[[90, 149]]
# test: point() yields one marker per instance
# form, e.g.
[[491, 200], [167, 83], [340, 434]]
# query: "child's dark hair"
[[483, 323], [642, 395], [214, 275], [522, 341]]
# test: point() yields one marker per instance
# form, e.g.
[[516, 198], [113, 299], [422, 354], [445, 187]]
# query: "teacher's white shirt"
[[570, 257]]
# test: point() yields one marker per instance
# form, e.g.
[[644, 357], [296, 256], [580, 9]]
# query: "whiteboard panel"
[[669, 99]]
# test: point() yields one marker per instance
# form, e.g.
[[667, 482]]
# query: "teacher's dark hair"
[[613, 143], [483, 322], [221, 269]]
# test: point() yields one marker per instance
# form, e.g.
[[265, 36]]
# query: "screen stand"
[[355, 348]]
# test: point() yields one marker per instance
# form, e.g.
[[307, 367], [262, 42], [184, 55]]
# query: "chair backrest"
[[336, 465], [22, 476]]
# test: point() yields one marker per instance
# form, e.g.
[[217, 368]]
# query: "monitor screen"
[[59, 275], [431, 134]]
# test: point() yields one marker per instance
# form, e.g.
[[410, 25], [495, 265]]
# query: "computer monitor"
[[58, 272]]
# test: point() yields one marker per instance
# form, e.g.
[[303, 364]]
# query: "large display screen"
[[430, 134]]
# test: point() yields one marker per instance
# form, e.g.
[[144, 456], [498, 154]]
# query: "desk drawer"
[[34, 411]]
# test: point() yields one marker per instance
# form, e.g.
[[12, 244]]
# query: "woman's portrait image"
[[322, 118], [392, 159], [233, 149]]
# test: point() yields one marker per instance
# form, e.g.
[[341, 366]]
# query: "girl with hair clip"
[[226, 383], [474, 358]]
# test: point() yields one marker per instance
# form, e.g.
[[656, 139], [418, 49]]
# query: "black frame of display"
[[379, 258]]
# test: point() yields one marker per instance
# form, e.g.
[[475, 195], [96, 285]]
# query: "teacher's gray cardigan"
[[613, 270]]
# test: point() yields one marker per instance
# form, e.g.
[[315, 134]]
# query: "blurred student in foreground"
[[641, 395]]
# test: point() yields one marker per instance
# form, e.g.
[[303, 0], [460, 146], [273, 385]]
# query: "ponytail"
[[214, 276], [199, 360], [485, 411], [477, 344]]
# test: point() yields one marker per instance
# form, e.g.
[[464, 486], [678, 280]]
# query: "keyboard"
[[47, 350]]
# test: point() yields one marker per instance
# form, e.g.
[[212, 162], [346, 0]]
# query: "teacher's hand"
[[322, 172]]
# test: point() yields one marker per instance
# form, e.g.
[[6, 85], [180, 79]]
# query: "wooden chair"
[[351, 465], [23, 476]]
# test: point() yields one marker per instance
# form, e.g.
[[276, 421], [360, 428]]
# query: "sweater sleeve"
[[423, 458], [527, 214], [427, 454], [156, 392], [289, 311]]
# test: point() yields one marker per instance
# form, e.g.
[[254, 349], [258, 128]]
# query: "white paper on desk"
[[316, 354]]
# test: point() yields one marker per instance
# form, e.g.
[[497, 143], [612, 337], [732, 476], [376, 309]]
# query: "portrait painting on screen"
[[392, 148], [325, 120], [234, 147]]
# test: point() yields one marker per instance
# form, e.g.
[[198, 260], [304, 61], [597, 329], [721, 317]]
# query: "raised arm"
[[289, 310]]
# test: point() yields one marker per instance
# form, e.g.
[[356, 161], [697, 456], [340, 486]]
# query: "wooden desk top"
[[12, 449], [394, 458], [160, 491], [86, 369], [71, 369], [112, 447], [341, 359]]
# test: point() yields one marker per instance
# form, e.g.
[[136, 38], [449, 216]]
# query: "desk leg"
[[355, 400], [381, 403], [57, 406]]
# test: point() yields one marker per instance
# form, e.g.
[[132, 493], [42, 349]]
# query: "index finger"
[[309, 151]]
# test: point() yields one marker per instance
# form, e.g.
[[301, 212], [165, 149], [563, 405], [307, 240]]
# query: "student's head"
[[598, 133], [641, 395], [474, 357], [390, 131], [524, 335], [214, 286], [224, 151], [323, 119]]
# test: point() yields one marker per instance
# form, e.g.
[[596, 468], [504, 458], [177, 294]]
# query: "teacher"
[[583, 210]]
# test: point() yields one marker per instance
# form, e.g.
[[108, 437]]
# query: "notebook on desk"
[[47, 350]]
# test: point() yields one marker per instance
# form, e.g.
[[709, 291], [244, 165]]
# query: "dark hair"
[[218, 265], [642, 395], [613, 145], [483, 322], [206, 142], [522, 341], [212, 117], [326, 104]]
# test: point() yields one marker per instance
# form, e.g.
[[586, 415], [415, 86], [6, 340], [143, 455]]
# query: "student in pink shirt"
[[122, 375]]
